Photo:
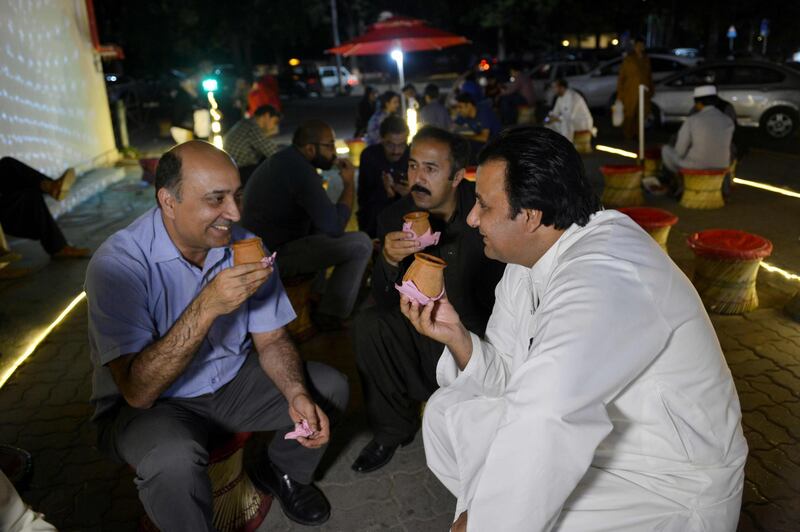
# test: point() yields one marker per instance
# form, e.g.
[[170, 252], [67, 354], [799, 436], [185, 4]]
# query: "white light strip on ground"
[[39, 339], [616, 151], [774, 269], [770, 188]]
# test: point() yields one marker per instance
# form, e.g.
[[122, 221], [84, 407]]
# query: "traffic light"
[[210, 84]]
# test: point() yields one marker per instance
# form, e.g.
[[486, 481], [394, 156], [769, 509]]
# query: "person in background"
[[477, 121], [635, 71], [388, 104], [382, 173], [284, 203], [517, 92], [265, 91], [433, 112], [24, 213], [570, 112], [366, 108], [249, 142], [411, 96]]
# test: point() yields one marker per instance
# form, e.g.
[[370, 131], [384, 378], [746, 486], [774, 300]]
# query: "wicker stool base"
[[622, 188], [702, 190], [726, 286]]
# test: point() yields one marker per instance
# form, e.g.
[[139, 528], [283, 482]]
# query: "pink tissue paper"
[[269, 260], [410, 290], [427, 239], [301, 429]]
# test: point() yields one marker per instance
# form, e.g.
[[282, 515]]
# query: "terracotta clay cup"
[[419, 222], [247, 251], [427, 272]]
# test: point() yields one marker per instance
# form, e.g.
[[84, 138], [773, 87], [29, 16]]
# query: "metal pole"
[[336, 43], [764, 46], [642, 88], [402, 84], [122, 122]]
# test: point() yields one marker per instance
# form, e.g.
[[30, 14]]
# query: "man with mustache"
[[185, 344], [397, 364], [285, 204]]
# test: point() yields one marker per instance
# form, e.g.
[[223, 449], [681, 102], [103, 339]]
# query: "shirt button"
[[214, 380]]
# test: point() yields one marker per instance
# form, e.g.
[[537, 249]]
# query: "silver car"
[[599, 85], [546, 73], [765, 95]]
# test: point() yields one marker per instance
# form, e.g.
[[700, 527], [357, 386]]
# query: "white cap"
[[705, 90]]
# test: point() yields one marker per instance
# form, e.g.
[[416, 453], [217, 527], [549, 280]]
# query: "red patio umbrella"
[[403, 33]]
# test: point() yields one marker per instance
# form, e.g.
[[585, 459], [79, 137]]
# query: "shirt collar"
[[164, 249], [541, 271]]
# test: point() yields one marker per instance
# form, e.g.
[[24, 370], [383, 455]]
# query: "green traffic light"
[[210, 84]]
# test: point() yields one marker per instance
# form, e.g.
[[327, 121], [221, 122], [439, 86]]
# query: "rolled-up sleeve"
[[119, 321], [269, 308]]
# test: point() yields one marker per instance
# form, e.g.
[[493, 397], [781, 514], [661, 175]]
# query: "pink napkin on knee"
[[426, 239], [269, 260], [410, 290], [301, 429]]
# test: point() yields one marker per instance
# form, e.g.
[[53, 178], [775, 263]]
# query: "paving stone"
[[754, 367], [739, 355], [777, 393], [756, 338], [774, 518], [755, 441], [769, 485], [784, 417], [787, 380], [775, 434], [752, 400], [778, 463], [746, 523]]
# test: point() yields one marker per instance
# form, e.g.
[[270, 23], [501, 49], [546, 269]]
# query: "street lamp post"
[[397, 55]]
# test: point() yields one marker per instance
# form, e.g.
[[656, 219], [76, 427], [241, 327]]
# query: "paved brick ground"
[[44, 408]]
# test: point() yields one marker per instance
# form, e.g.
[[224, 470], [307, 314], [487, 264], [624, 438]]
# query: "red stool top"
[[620, 168], [729, 244], [650, 217], [653, 152], [704, 171], [471, 173]]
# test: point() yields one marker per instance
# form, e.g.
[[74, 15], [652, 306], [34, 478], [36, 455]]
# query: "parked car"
[[765, 95], [330, 82], [546, 73], [599, 85], [299, 81]]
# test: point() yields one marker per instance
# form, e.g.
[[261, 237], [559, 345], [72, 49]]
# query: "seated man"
[[23, 212], [248, 142], [704, 139], [285, 204], [184, 343], [382, 173], [517, 92], [599, 398], [397, 364], [570, 112], [477, 121], [434, 113]]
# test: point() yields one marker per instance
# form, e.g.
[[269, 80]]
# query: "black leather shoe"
[[302, 503], [375, 455]]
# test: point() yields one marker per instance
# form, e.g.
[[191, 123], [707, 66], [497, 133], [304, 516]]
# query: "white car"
[[546, 73], [330, 82], [599, 85], [765, 95]]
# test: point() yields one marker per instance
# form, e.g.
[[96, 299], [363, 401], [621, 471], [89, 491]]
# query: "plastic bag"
[[617, 114]]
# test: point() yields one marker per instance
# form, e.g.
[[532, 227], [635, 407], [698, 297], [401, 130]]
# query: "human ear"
[[167, 202]]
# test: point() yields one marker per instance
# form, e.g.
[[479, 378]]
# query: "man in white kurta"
[[599, 398], [570, 112]]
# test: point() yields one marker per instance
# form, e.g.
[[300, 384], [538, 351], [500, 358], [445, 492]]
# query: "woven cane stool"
[[652, 161], [623, 185], [702, 189], [726, 267], [657, 222], [238, 505], [582, 141], [356, 147], [298, 290]]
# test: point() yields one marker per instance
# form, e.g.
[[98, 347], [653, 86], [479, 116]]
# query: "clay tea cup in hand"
[[427, 273], [419, 222], [247, 251]]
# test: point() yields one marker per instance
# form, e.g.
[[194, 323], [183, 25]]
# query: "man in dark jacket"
[[397, 364]]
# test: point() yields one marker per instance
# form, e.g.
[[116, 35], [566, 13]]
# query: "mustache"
[[420, 189]]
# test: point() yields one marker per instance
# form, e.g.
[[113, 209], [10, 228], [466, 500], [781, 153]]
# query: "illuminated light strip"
[[39, 339], [343, 150], [764, 186], [616, 151], [774, 269]]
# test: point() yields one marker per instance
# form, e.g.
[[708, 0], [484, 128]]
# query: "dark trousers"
[[166, 443], [23, 212], [398, 372], [508, 108]]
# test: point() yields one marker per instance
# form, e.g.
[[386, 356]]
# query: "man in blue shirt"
[[183, 344], [477, 120]]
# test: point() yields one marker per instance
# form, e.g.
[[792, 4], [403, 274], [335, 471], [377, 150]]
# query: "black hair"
[[465, 97], [393, 125], [432, 91], [545, 173], [409, 87], [309, 132], [266, 109], [459, 146], [386, 97], [561, 81], [168, 174], [708, 101]]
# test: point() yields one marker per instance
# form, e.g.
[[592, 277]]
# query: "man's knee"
[[359, 244], [330, 384], [172, 462]]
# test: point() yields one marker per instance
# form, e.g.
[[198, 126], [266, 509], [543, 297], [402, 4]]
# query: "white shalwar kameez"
[[599, 399], [573, 115]]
